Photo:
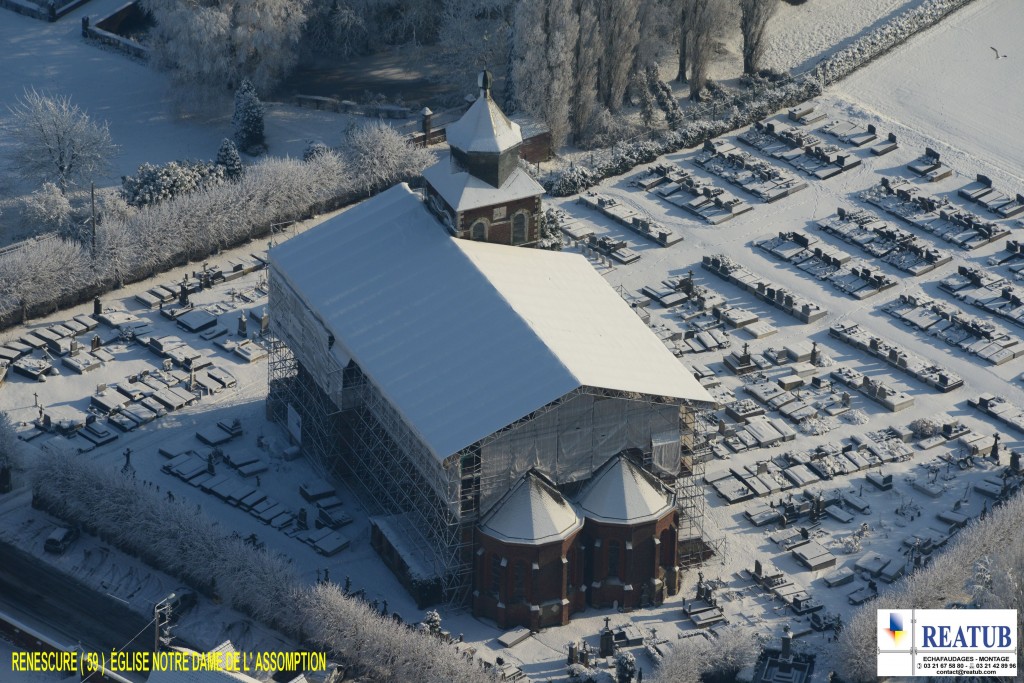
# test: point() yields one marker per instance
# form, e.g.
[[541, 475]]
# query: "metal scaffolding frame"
[[367, 443], [695, 547]]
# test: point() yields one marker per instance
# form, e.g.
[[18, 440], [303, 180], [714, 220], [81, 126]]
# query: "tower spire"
[[484, 80]]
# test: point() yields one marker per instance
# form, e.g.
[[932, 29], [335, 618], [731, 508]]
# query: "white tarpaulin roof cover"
[[464, 338], [464, 191], [484, 128], [621, 492], [532, 512]]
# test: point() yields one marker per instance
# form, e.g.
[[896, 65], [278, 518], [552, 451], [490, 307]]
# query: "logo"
[[947, 642], [895, 630]]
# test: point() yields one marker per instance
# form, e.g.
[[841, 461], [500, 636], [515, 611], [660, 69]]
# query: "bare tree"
[[705, 21], [683, 32], [620, 28], [381, 157], [754, 16], [473, 35], [585, 106], [545, 33], [217, 44], [56, 141]]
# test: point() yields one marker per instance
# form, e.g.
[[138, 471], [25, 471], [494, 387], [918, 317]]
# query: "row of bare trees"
[[130, 244]]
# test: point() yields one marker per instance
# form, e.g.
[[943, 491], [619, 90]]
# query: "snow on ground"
[[744, 543], [133, 98], [542, 655], [948, 84], [801, 35]]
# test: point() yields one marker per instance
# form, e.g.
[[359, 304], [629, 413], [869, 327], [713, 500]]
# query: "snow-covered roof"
[[463, 338], [532, 513], [621, 492], [464, 191], [484, 128]]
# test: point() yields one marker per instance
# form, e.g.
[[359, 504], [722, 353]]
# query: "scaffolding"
[[695, 546], [348, 431]]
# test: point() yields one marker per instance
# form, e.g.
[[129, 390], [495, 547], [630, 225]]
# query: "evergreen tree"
[[248, 118], [227, 156]]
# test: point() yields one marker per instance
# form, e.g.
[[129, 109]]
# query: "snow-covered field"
[[803, 34], [968, 108], [948, 84]]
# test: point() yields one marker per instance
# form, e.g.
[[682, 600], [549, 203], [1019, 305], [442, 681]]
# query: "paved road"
[[70, 610]]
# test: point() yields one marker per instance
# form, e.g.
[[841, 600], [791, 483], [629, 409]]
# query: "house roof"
[[484, 128], [621, 492], [464, 191], [464, 338], [532, 512]]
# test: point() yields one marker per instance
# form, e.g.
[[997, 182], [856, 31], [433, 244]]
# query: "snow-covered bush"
[[229, 159], [47, 210], [41, 274], [572, 180], [248, 119], [154, 184], [382, 156], [314, 149]]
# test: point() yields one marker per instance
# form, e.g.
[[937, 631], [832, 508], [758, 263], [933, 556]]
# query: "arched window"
[[478, 231], [519, 224], [519, 582], [668, 548], [496, 575], [613, 559]]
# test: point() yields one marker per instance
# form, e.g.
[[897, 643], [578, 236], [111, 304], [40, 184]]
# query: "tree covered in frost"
[[229, 159], [472, 35], [10, 444], [382, 157], [704, 18], [315, 149], [248, 117], [48, 210], [217, 43], [754, 17], [620, 33], [721, 658], [43, 271], [52, 140], [153, 184], [543, 60], [177, 537]]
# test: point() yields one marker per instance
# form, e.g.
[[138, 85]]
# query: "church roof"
[[532, 513], [425, 316], [621, 492], [464, 191], [484, 128]]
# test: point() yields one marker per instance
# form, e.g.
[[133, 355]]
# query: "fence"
[[51, 12]]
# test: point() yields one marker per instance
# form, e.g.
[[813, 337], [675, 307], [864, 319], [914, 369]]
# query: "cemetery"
[[674, 454]]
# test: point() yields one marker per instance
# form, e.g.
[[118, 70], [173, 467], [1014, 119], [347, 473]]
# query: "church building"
[[522, 442]]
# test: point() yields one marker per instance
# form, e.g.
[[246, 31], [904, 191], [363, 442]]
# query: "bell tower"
[[480, 193]]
